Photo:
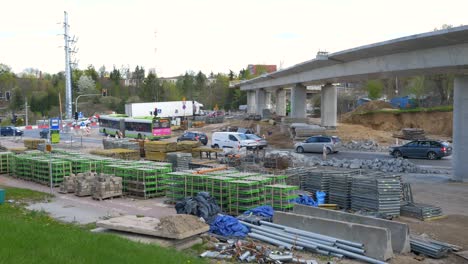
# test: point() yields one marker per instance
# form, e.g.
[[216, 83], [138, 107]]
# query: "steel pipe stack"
[[296, 238]]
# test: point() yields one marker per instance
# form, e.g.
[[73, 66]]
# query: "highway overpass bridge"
[[444, 51]]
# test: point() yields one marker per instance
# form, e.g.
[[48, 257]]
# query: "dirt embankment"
[[436, 123]]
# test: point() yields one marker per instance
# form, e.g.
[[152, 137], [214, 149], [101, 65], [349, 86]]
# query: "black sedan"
[[10, 131], [431, 149], [194, 136]]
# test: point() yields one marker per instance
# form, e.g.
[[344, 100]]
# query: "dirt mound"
[[372, 106], [181, 223]]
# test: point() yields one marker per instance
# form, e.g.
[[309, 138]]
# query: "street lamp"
[[76, 100]]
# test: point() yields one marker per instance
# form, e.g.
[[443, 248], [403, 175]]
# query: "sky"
[[176, 36]]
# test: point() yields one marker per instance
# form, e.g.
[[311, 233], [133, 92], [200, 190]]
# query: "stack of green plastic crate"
[[147, 182], [265, 181], [123, 169], [218, 187], [177, 185], [45, 168], [280, 196], [244, 195], [276, 179], [5, 158]]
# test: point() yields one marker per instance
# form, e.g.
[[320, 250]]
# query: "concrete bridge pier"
[[298, 101], [260, 101], [328, 106], [281, 102], [460, 128], [251, 102]]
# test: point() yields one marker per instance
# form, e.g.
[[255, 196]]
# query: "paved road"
[[444, 162], [65, 137]]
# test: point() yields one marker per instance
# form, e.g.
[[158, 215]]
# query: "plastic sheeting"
[[265, 211], [320, 197], [202, 205], [305, 200], [229, 226]]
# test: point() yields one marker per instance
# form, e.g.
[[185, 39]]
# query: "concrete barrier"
[[399, 231], [377, 241]]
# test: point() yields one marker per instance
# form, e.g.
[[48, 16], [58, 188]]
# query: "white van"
[[231, 140]]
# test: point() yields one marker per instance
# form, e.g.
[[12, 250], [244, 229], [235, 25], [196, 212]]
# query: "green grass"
[[34, 237], [25, 195], [445, 108]]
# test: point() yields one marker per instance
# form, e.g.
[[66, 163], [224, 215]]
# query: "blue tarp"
[[305, 200], [228, 226], [265, 211], [320, 197]]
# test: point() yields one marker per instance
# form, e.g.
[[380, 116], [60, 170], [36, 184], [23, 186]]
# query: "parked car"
[[44, 133], [10, 131], [262, 143], [332, 144], [431, 149], [193, 136], [231, 140]]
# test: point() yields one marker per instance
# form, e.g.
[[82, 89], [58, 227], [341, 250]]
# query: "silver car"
[[332, 144], [262, 143]]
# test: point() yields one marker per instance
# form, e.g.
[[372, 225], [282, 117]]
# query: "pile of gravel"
[[366, 145], [384, 165]]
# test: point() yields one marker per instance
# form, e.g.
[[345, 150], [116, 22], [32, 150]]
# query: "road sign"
[[54, 123], [82, 124], [80, 115]]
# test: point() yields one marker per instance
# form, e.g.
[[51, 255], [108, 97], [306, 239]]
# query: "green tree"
[[92, 73], [417, 87], [374, 89], [86, 85], [150, 88], [17, 99]]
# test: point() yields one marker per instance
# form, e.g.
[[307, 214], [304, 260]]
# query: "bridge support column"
[[460, 126], [298, 101], [251, 102], [328, 106], [260, 101], [281, 102], [268, 99]]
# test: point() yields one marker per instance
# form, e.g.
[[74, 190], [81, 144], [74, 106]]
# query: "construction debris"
[[173, 226], [68, 185], [366, 145]]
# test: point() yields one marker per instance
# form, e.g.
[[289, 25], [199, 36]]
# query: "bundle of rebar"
[[292, 238]]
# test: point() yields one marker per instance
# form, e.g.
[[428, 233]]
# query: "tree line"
[[45, 93]]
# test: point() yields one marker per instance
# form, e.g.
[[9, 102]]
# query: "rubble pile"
[[106, 186], [385, 165], [366, 145]]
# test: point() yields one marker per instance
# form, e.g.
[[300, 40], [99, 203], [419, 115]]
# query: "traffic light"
[[76, 115], [155, 113]]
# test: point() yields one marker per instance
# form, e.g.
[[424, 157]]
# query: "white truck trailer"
[[165, 109]]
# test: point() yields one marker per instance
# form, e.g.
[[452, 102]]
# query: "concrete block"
[[398, 231], [377, 241]]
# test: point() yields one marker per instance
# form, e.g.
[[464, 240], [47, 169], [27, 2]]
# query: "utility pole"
[[26, 110], [68, 88]]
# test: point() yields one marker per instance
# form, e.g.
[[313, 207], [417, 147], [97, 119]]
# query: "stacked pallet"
[[18, 150], [161, 146], [280, 196], [218, 187], [106, 186], [68, 184], [33, 143], [179, 160], [376, 193], [147, 181], [244, 195], [118, 153], [115, 143], [187, 146], [84, 184], [5, 160], [340, 190]]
